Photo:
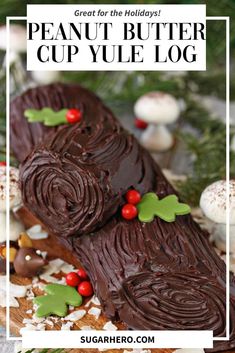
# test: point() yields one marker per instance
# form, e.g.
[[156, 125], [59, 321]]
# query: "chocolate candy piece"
[[28, 263]]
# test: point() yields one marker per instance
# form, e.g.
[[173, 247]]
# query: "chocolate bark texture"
[[159, 275], [24, 136], [76, 180], [154, 275]]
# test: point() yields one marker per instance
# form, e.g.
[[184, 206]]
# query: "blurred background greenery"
[[205, 139]]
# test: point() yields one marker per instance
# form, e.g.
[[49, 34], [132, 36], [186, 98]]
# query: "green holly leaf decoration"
[[47, 116], [167, 208], [57, 300]]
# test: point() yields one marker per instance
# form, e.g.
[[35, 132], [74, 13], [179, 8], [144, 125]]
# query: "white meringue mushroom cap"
[[18, 38], [15, 194], [157, 108], [213, 201]]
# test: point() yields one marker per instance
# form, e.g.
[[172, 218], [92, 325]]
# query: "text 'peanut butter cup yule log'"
[[157, 275]]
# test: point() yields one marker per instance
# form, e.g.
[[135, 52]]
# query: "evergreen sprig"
[[207, 149]]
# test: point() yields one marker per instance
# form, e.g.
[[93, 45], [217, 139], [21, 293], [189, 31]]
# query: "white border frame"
[[8, 19], [227, 21], [223, 18]]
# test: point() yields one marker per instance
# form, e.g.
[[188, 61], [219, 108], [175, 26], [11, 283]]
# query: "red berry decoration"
[[73, 116], [129, 211], [140, 124], [133, 197], [72, 279], [85, 289], [82, 274], [3, 164]]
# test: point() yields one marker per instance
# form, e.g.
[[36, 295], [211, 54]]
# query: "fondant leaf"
[[167, 208], [50, 305], [47, 116], [56, 301], [67, 293]]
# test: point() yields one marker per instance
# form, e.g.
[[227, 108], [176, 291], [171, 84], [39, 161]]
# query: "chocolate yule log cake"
[[76, 180], [152, 274]]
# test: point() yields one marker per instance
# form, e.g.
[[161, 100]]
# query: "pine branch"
[[208, 150]]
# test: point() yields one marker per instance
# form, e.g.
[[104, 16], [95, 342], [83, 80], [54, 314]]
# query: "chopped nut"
[[13, 253], [25, 241]]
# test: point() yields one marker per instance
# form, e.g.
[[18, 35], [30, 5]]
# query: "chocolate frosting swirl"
[[183, 300]]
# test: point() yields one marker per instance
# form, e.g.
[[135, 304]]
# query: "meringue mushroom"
[[213, 204], [45, 77], [15, 194], [16, 227], [157, 109], [18, 38], [17, 45]]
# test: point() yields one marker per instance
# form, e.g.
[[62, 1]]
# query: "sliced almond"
[[13, 253], [24, 241], [3, 251]]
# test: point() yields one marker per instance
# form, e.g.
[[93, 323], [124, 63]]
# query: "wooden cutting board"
[[17, 315]]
